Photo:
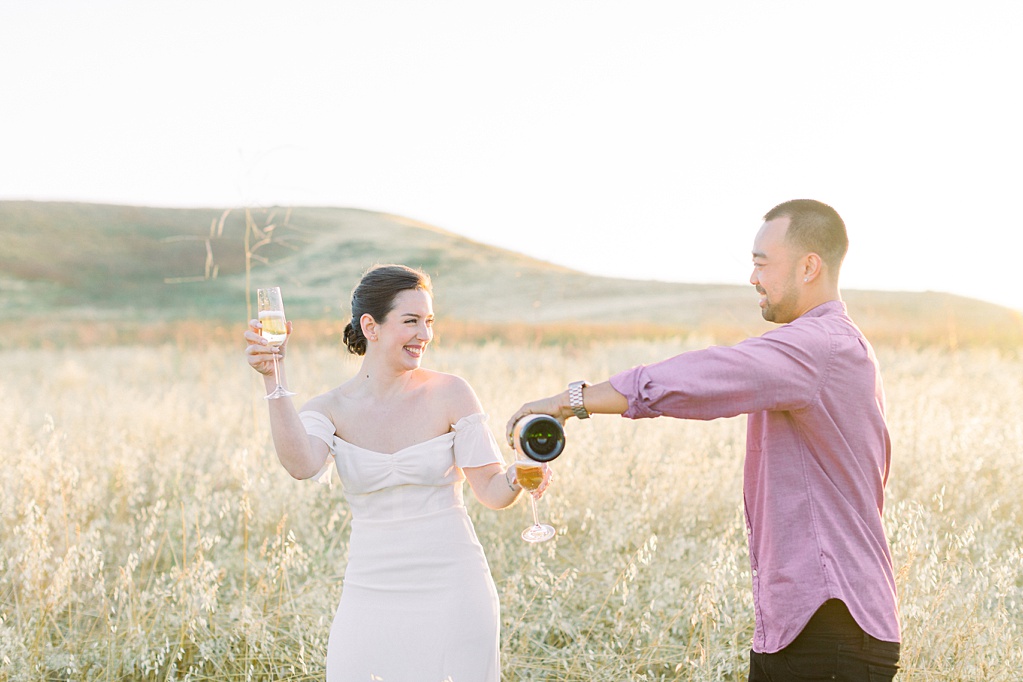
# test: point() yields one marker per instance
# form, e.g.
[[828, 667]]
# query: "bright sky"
[[629, 138]]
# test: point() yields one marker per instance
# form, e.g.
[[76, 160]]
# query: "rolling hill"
[[127, 264]]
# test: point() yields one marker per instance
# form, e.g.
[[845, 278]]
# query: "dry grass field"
[[148, 533]]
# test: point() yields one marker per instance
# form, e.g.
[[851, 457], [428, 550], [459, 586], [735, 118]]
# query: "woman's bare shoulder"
[[455, 393], [329, 403], [442, 382]]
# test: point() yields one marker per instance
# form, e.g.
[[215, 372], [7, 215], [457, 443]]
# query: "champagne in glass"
[[529, 474], [530, 477], [274, 330]]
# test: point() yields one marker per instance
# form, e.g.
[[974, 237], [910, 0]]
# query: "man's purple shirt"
[[817, 460]]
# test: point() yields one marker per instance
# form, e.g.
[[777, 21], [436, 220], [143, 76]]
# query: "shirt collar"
[[836, 307]]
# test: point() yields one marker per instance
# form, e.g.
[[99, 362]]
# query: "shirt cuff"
[[635, 386]]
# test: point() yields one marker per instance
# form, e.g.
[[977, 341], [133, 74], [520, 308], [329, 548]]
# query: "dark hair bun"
[[354, 339]]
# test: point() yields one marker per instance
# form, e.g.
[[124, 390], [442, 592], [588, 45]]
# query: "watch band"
[[575, 398]]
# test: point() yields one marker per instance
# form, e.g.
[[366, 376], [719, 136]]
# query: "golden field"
[[147, 531]]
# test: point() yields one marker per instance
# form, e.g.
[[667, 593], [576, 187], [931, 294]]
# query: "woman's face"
[[408, 328]]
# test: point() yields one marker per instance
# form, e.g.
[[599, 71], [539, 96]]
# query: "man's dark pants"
[[831, 647]]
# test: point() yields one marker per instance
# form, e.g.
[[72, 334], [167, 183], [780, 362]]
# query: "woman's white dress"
[[418, 602]]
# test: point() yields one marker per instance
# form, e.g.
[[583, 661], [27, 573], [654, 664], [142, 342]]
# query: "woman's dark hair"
[[374, 295]]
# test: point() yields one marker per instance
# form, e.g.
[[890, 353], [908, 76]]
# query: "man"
[[817, 454]]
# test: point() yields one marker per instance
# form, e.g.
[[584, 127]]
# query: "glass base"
[[538, 533], [279, 392]]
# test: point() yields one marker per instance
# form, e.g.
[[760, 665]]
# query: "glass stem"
[[277, 377], [532, 503]]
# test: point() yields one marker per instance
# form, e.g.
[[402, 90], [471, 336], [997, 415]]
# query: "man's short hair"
[[815, 227]]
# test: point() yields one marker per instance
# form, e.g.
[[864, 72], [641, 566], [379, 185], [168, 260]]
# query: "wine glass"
[[275, 330], [529, 474]]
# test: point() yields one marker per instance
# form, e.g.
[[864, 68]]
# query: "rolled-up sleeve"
[[636, 385], [776, 371]]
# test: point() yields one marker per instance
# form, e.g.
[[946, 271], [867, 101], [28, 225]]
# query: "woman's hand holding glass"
[[260, 353], [274, 329], [531, 476], [268, 337], [534, 477]]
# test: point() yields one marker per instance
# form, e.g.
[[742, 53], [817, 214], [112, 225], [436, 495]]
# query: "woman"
[[419, 603]]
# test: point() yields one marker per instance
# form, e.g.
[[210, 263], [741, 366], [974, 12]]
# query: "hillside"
[[125, 264]]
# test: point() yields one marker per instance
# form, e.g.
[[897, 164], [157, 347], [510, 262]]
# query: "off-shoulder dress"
[[418, 602]]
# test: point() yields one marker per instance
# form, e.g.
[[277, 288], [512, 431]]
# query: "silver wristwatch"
[[575, 398]]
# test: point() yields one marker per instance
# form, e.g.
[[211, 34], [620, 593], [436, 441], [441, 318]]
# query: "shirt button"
[[754, 573]]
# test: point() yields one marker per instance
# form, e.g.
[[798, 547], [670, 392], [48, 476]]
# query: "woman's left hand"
[[548, 475]]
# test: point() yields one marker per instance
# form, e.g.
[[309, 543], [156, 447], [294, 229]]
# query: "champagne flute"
[[275, 330], [529, 474]]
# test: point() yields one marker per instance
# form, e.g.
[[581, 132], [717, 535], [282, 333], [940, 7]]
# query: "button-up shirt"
[[817, 460]]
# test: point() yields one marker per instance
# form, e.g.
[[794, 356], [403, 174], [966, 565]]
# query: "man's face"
[[776, 273]]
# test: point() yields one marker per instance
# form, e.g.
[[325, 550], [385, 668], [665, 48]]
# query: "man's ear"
[[813, 266]]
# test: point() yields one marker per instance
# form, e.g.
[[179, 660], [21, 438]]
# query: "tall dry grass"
[[148, 533]]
